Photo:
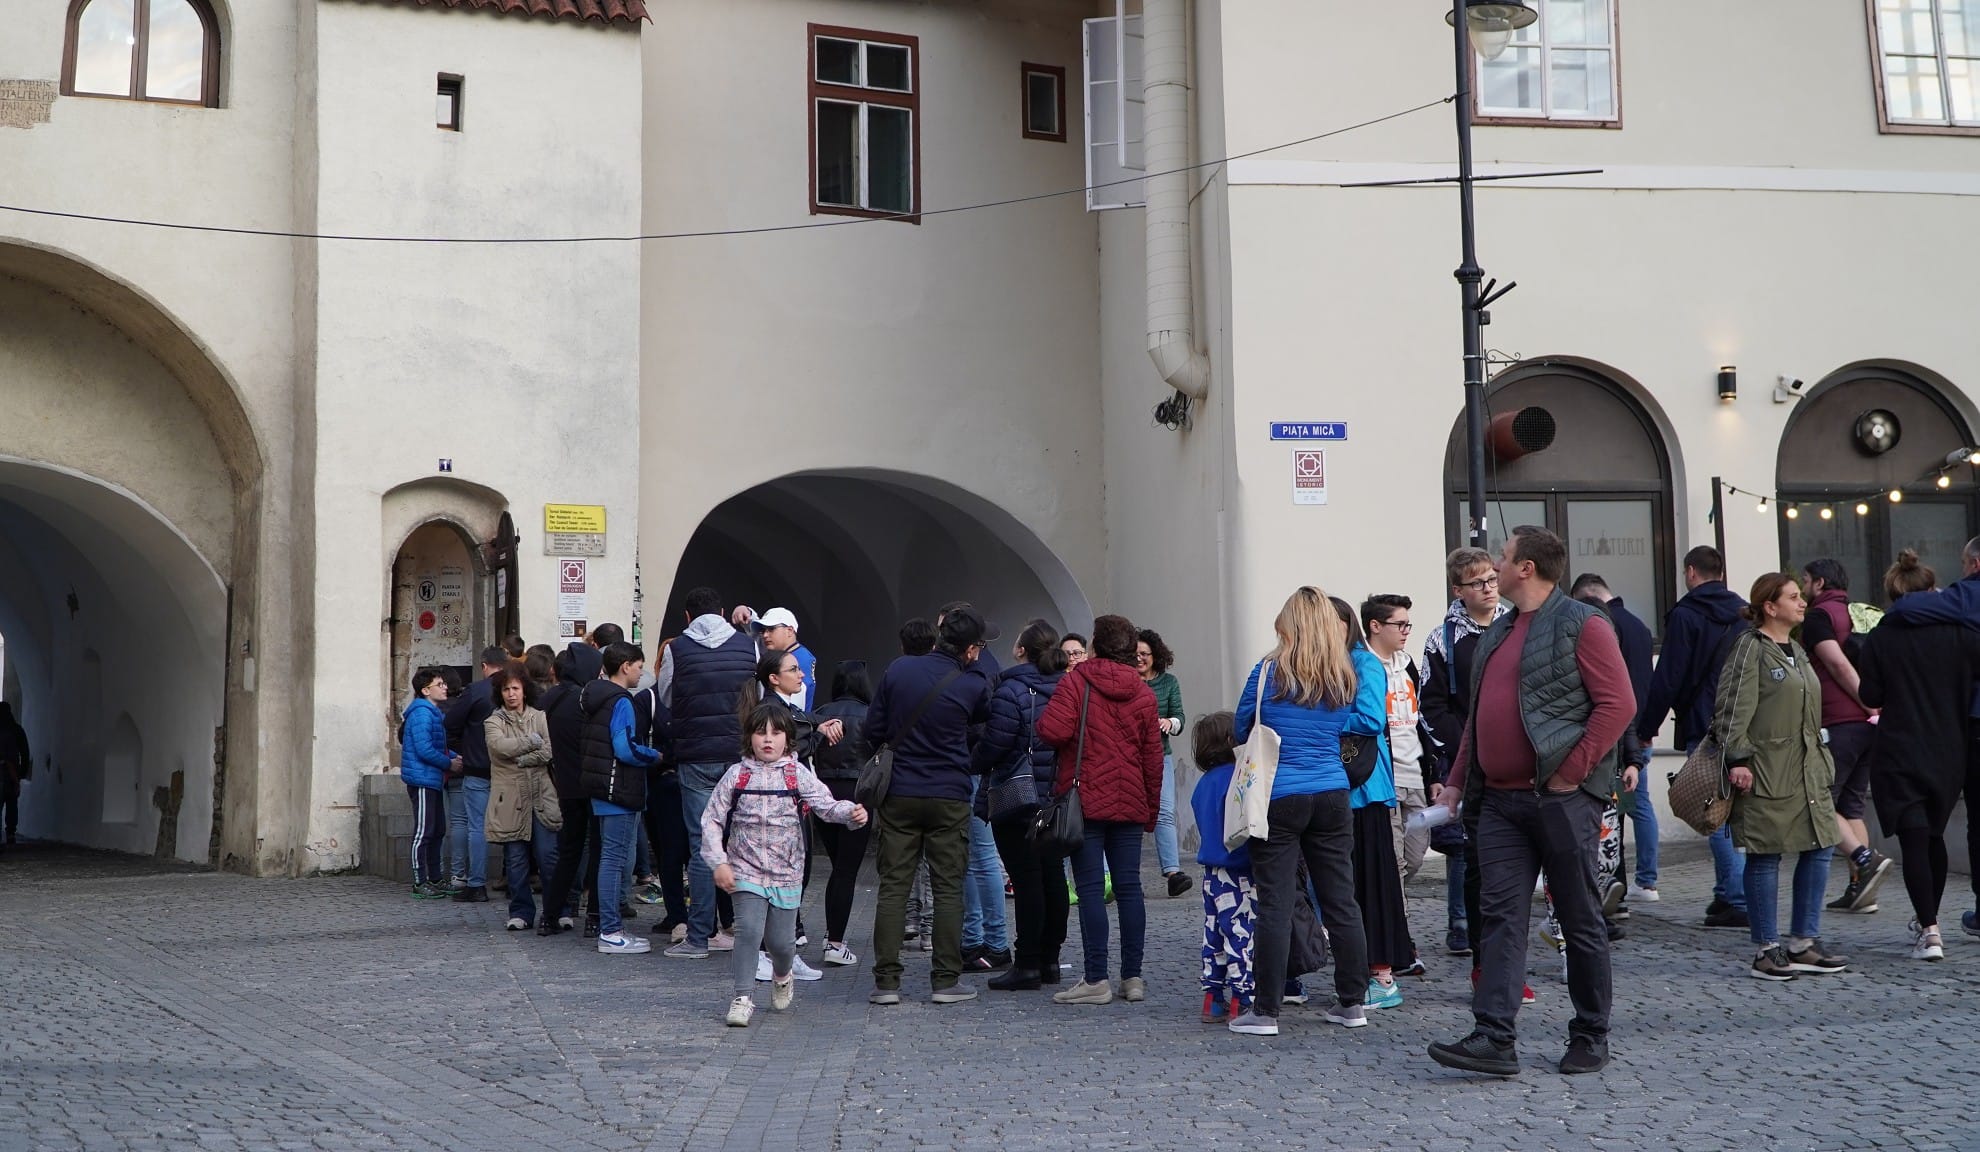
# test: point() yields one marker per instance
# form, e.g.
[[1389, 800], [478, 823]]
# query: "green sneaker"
[[429, 891], [1109, 897], [1072, 894]]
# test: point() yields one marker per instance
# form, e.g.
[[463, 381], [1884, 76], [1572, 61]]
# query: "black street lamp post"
[[1487, 28]]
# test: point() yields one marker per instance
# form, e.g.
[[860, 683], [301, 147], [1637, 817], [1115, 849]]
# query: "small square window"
[[448, 111], [1044, 102]]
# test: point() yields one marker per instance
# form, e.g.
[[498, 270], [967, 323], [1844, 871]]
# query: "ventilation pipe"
[[1522, 433], [1165, 152]]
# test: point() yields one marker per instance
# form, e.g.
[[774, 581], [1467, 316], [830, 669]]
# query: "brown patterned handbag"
[[1701, 793]]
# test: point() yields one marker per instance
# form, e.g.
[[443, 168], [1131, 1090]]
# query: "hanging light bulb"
[[1862, 509], [1828, 513], [1945, 481], [1762, 506], [1897, 495], [1974, 457], [1793, 512]]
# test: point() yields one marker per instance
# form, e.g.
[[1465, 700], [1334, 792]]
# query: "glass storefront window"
[[1845, 539], [1937, 532], [1613, 538]]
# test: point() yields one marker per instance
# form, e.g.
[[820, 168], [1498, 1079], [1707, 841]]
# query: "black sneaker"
[[1584, 1054], [1457, 942], [1847, 901], [1477, 1053], [1615, 930], [1773, 964], [1727, 917], [1179, 883], [1869, 879], [1813, 959], [591, 926]]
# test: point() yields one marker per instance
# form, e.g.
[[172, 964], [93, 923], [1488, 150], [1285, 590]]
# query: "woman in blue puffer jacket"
[[1010, 748]]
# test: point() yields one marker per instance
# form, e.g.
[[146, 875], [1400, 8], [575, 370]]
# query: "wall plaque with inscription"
[[25, 103]]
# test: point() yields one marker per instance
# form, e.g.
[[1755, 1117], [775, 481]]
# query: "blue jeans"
[[1166, 853], [1110, 845], [983, 892], [1811, 883], [615, 848], [467, 829], [516, 854], [456, 832], [697, 782], [1728, 866], [1643, 814], [1454, 869]]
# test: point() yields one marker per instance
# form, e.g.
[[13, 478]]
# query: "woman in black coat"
[[1921, 673], [838, 766], [1010, 748]]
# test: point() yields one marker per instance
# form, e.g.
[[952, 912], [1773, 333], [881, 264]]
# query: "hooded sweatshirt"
[[701, 678], [560, 713], [1698, 635]]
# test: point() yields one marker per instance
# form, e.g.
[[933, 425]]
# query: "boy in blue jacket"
[[1227, 893], [424, 762]]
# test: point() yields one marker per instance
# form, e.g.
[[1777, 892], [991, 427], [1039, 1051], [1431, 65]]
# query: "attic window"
[[448, 114]]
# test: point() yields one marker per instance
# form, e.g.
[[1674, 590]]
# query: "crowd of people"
[[1517, 747]]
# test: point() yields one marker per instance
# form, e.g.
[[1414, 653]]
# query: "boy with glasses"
[[1386, 617]]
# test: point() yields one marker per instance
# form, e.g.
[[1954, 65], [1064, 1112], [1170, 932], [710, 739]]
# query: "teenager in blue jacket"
[[424, 762]]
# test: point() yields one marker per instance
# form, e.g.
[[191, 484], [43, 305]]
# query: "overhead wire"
[[840, 222]]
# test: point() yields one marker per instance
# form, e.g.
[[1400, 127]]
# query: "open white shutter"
[[1113, 112]]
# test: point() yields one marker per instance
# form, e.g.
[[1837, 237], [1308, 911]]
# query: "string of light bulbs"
[[1827, 507]]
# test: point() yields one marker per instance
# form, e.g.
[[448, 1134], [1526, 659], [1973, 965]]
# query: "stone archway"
[[130, 525], [855, 552]]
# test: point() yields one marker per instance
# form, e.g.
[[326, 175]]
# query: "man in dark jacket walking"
[[702, 673], [467, 797], [1633, 635], [1697, 635], [577, 847], [924, 708]]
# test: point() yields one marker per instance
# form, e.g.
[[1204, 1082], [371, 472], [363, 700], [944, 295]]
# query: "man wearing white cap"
[[779, 628]]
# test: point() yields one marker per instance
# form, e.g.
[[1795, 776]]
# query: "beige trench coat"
[[519, 775]]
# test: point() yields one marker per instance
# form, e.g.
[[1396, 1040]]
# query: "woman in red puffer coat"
[[1119, 770]]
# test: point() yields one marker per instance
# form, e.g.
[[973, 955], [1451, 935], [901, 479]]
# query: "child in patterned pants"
[[1228, 906]]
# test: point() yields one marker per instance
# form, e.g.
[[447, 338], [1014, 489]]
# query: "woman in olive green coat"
[[1768, 718]]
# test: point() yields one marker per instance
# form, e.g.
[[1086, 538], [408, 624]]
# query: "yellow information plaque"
[[574, 518]]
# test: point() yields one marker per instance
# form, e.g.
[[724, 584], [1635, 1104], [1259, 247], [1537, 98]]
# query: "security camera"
[[1787, 388]]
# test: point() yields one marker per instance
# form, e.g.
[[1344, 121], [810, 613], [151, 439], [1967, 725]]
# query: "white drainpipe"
[[1165, 134]]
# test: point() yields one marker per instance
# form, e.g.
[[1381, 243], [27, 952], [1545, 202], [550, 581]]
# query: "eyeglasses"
[[1481, 585], [1144, 656], [1402, 626]]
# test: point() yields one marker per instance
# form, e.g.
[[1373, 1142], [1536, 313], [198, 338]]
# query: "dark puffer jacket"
[[560, 711], [842, 761], [1015, 708], [1120, 773]]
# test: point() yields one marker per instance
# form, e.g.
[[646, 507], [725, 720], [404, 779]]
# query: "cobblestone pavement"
[[159, 1009]]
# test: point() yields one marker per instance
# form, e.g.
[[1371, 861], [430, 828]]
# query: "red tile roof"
[[627, 12]]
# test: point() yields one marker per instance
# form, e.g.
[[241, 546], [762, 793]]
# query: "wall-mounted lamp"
[[1728, 384]]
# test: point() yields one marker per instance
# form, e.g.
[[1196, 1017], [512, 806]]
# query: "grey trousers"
[[1520, 833], [761, 928]]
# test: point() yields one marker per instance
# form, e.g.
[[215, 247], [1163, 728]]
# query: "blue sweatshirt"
[[1310, 738], [626, 750], [1208, 804], [423, 755], [1380, 787]]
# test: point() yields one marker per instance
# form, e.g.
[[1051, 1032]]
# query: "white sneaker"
[[1647, 895], [740, 1010], [1550, 931], [781, 993], [840, 956], [721, 942], [804, 971], [1926, 945], [679, 934], [623, 945], [763, 973]]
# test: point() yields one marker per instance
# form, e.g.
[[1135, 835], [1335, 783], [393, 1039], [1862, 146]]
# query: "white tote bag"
[[1247, 802]]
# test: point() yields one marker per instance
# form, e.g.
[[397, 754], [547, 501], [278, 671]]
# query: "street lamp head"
[[1491, 23]]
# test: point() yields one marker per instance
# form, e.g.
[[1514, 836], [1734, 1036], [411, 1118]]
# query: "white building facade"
[[877, 353]]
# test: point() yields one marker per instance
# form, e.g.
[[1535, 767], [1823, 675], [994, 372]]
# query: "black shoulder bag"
[[1061, 824], [877, 776]]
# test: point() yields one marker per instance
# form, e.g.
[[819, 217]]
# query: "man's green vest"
[[1553, 703]]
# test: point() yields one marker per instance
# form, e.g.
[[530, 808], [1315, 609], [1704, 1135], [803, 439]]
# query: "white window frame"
[[906, 100], [1112, 104], [1485, 114], [1946, 125]]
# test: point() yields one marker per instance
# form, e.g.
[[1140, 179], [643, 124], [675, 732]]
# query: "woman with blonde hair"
[[1308, 692]]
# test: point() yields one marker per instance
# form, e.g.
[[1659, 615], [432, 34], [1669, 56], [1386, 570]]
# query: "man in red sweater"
[[1538, 761]]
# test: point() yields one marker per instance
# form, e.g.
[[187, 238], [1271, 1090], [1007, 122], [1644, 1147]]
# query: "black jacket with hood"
[[560, 713], [1697, 636]]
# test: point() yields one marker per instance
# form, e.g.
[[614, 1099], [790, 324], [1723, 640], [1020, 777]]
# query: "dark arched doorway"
[[854, 553], [1863, 433], [1603, 484]]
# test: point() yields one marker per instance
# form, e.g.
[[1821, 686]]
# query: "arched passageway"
[[116, 665], [855, 553]]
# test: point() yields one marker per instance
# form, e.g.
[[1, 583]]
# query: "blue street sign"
[[1285, 431]]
